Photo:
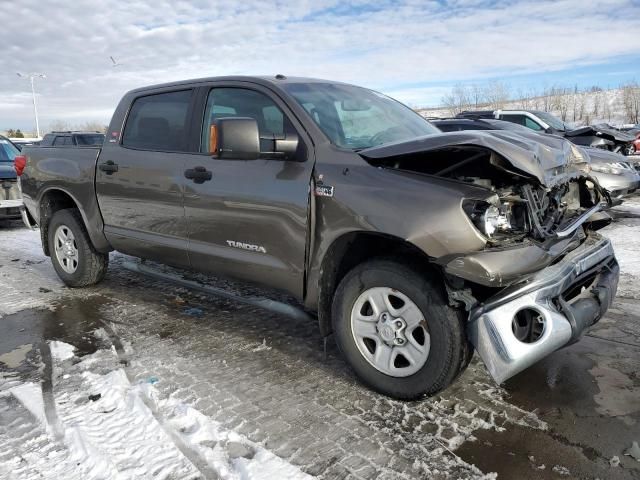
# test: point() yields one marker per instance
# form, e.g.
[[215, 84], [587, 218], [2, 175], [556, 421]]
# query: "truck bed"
[[71, 170]]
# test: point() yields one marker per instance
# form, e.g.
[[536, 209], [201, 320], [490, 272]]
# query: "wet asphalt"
[[587, 394]]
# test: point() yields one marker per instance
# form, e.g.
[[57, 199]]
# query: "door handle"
[[198, 174], [108, 167]]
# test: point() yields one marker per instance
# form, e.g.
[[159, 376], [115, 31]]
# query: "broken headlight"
[[488, 218]]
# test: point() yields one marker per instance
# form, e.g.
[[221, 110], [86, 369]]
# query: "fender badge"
[[324, 191]]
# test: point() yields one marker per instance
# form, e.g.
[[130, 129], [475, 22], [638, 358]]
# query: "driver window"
[[242, 102]]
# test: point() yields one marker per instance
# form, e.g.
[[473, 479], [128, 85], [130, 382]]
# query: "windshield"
[[552, 120], [357, 118], [97, 139], [7, 151]]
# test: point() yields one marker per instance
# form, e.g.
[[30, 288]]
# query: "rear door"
[[250, 219], [139, 180]]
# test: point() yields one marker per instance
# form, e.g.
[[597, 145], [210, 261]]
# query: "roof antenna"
[[280, 77]]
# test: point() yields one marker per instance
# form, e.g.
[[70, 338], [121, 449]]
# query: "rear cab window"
[[158, 122], [89, 140]]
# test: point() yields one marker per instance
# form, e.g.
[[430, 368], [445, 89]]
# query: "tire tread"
[[95, 263]]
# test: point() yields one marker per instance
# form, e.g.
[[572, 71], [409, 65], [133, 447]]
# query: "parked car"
[[10, 197], [598, 136], [72, 138], [412, 246], [612, 171]]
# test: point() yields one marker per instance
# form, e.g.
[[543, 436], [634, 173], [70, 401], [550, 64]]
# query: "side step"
[[261, 302]]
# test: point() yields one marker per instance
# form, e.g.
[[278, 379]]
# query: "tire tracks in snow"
[[197, 461]]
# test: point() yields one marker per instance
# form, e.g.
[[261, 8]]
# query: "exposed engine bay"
[[520, 204]]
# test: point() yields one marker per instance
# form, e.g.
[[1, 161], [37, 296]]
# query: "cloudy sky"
[[413, 50]]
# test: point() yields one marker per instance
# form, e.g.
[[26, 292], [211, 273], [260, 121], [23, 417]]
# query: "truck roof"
[[74, 132], [267, 80]]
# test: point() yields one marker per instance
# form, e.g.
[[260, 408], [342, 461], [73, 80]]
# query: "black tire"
[[450, 351], [91, 265]]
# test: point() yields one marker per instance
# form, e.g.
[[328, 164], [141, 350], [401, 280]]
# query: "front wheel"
[[396, 330], [74, 258]]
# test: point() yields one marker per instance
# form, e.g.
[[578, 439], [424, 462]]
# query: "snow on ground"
[[110, 428], [60, 350], [183, 401], [624, 235]]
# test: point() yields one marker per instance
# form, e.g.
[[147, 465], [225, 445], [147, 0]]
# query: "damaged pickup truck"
[[414, 247]]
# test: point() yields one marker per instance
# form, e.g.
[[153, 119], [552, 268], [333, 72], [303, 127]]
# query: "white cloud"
[[390, 46]]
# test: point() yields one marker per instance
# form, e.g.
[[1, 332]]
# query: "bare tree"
[[457, 101], [606, 110], [597, 103], [59, 126], [94, 127], [560, 101], [496, 94], [525, 100], [546, 99], [631, 102], [535, 98], [476, 96]]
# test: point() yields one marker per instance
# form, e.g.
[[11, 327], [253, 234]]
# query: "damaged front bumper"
[[563, 300]]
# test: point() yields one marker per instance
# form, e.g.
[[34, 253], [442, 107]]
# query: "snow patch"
[[30, 395], [262, 347], [112, 429], [61, 351]]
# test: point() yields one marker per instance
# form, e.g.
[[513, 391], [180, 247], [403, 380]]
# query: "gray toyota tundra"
[[414, 246]]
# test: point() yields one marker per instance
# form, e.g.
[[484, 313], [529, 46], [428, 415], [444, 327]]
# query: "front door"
[[139, 181], [249, 220]]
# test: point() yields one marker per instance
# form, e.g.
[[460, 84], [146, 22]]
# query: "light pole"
[[31, 76]]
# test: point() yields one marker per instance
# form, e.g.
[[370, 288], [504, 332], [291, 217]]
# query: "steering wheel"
[[385, 136]]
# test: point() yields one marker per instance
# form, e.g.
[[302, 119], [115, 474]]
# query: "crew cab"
[[413, 246]]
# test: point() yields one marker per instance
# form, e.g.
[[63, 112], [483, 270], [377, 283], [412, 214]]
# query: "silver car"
[[613, 172]]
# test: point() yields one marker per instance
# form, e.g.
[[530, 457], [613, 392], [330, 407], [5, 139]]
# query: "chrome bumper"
[[591, 265]]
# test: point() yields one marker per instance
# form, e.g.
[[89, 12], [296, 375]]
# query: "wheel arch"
[[56, 198], [353, 248]]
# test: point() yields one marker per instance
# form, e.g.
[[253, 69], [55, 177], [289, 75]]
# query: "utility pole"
[[31, 77]]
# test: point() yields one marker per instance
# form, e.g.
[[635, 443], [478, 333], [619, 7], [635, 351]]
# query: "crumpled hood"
[[550, 159], [7, 170], [601, 131]]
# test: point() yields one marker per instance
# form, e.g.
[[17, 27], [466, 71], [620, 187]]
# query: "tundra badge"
[[246, 246]]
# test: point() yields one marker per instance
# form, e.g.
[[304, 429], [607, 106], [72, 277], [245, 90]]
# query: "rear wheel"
[[396, 330], [74, 258]]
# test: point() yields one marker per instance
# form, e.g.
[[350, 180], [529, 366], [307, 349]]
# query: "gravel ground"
[[138, 378]]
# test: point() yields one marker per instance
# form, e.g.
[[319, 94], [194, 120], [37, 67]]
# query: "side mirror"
[[236, 138]]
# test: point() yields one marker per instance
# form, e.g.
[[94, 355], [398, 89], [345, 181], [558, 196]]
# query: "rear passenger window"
[[158, 122]]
